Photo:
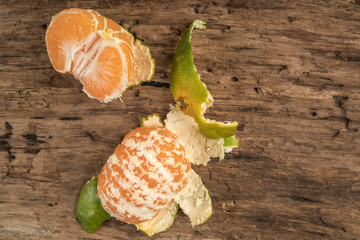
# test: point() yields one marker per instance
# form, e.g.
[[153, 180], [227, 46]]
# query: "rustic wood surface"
[[287, 71]]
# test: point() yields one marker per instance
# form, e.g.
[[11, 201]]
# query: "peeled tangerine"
[[144, 183], [98, 52], [141, 178], [148, 177]]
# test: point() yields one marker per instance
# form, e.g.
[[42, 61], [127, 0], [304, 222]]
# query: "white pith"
[[194, 200], [152, 121], [199, 148]]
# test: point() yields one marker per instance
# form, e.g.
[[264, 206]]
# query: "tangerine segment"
[[67, 30], [100, 20], [98, 65], [75, 41], [140, 179], [123, 38]]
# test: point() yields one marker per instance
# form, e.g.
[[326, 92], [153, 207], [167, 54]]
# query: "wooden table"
[[287, 71]]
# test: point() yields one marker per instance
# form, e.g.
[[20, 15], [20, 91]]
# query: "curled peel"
[[198, 148], [143, 58], [190, 93]]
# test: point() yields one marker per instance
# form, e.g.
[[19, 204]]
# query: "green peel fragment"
[[190, 93], [89, 210], [231, 142]]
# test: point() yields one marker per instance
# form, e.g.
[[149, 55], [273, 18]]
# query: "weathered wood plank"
[[287, 71]]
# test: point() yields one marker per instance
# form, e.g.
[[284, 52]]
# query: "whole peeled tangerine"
[[141, 178]]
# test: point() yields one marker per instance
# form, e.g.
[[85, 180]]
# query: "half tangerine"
[[101, 54]]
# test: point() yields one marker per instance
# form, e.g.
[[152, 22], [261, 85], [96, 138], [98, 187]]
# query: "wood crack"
[[340, 102], [156, 84], [4, 143]]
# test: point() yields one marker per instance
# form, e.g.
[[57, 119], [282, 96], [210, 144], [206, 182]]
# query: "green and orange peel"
[[190, 93]]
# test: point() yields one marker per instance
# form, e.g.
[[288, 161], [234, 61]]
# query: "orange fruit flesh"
[[80, 41], [63, 35], [98, 66], [150, 166], [118, 32], [99, 19]]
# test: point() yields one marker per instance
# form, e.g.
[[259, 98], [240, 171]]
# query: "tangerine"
[[141, 178], [98, 52]]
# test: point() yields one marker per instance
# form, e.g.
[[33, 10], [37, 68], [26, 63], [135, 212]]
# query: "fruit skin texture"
[[140, 179], [98, 52], [89, 211], [190, 93]]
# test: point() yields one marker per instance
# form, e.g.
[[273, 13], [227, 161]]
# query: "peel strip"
[[190, 93]]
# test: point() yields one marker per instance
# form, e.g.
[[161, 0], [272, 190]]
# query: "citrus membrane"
[[194, 200], [190, 93], [89, 211], [161, 222]]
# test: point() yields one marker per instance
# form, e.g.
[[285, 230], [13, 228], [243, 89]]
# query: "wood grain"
[[287, 71]]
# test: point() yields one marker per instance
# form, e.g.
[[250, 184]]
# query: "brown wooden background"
[[287, 71]]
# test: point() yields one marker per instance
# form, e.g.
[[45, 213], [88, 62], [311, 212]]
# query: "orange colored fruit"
[[98, 52], [141, 178]]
